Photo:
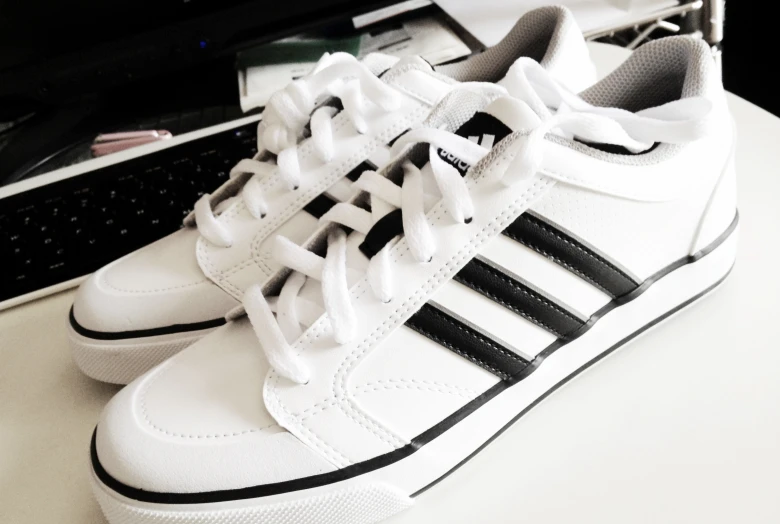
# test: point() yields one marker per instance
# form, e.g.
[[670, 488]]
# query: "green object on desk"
[[297, 51]]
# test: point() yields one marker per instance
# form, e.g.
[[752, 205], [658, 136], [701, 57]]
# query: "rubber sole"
[[379, 492], [122, 361]]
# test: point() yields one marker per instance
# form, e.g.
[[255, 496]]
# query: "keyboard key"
[[72, 227]]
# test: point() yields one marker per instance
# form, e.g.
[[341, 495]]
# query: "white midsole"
[[121, 361], [435, 459]]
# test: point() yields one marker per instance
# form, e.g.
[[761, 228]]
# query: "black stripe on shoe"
[[368, 165], [391, 143], [508, 290], [443, 328], [546, 239], [382, 232], [363, 166], [319, 206]]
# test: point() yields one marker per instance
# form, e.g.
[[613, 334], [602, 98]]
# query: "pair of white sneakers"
[[368, 332]]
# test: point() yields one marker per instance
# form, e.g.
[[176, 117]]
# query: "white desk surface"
[[681, 425]]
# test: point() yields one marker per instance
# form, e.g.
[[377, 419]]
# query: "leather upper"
[[198, 423], [159, 285]]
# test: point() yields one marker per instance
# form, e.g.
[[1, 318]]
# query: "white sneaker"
[[140, 310], [453, 306]]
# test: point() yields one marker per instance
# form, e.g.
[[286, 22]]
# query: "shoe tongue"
[[411, 61], [378, 63], [491, 125], [396, 73]]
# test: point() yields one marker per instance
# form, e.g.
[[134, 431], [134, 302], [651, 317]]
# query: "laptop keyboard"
[[70, 228]]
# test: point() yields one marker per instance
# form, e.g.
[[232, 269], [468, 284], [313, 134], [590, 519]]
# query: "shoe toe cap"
[[198, 423], [158, 286]]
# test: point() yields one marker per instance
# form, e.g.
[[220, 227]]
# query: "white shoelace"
[[636, 131], [282, 128]]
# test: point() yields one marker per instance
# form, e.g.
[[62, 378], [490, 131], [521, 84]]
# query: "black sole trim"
[[142, 333], [251, 492], [428, 435]]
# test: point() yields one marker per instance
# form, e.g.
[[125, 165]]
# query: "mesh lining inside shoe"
[[537, 35], [659, 72]]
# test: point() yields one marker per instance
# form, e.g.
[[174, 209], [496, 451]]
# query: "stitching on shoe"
[[559, 261], [104, 281], [349, 363], [531, 294], [464, 354], [480, 337], [329, 451], [499, 300], [408, 89], [259, 237], [470, 283], [410, 383], [351, 360], [436, 216], [148, 420], [339, 173], [235, 209], [391, 384], [272, 398], [586, 252]]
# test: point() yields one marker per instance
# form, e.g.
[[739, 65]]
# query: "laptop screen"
[[43, 42]]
